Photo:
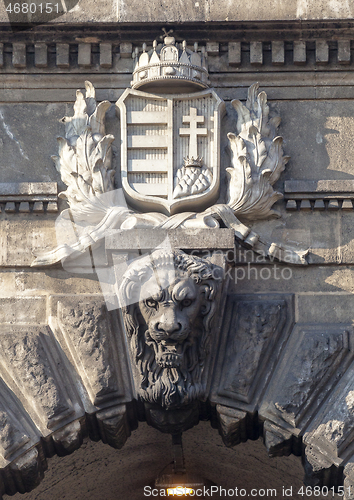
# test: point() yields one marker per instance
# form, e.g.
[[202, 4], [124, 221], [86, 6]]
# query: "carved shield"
[[170, 150]]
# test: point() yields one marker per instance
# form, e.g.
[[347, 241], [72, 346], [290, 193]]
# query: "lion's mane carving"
[[169, 301]]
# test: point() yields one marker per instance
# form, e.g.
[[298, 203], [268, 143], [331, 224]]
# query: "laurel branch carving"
[[84, 158], [257, 159]]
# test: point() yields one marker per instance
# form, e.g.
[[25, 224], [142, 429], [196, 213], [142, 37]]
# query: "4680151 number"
[[324, 491], [32, 8]]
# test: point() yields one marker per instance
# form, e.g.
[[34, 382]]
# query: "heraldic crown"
[[174, 69]]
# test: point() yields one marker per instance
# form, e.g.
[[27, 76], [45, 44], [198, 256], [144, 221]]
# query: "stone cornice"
[[102, 55]]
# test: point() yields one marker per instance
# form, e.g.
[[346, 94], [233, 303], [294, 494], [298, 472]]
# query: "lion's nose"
[[169, 324], [169, 328]]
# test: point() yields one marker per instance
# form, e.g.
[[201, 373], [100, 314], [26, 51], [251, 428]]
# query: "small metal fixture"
[[175, 479]]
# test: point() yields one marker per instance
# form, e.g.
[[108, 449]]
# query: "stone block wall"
[[302, 57]]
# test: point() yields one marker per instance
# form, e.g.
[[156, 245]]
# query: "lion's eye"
[[186, 302], [151, 303]]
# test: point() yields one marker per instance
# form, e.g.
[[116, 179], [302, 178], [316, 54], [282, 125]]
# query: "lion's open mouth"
[[169, 355]]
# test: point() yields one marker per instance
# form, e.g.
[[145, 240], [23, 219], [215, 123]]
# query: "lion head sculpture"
[[169, 301]]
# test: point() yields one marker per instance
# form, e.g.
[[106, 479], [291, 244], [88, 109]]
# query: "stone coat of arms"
[[170, 158], [170, 150]]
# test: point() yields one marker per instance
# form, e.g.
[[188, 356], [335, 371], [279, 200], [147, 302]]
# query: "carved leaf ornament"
[[257, 159], [84, 163], [84, 160]]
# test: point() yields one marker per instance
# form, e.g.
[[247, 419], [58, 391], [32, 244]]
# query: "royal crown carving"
[[168, 67]]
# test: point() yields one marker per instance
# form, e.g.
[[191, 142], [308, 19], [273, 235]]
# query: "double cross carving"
[[193, 131]]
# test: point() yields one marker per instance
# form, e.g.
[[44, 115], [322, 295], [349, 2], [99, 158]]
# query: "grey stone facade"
[[279, 362]]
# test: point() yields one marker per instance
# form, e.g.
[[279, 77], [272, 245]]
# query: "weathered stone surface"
[[256, 53], [125, 49], [109, 11], [23, 310], [28, 471], [278, 52], [315, 358], [19, 55], [319, 186], [323, 141], [344, 55], [13, 434], [41, 55], [27, 360], [264, 277], [22, 238], [319, 470], [24, 157], [13, 286], [346, 235], [299, 52], [257, 325], [234, 53], [16, 190], [173, 422], [90, 335], [185, 239], [348, 480], [62, 55], [322, 52], [84, 55], [330, 432], [105, 55], [319, 231], [253, 335], [147, 178], [313, 9], [323, 308]]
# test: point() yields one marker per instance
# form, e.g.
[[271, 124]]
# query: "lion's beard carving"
[[170, 365], [177, 384]]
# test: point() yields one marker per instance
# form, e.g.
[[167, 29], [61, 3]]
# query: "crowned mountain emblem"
[[170, 150]]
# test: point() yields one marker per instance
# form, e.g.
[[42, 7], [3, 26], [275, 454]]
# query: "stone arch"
[[58, 388]]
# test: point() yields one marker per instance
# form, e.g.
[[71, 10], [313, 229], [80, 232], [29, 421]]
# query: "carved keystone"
[[28, 471], [68, 439], [169, 301], [232, 425], [277, 441], [113, 426]]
